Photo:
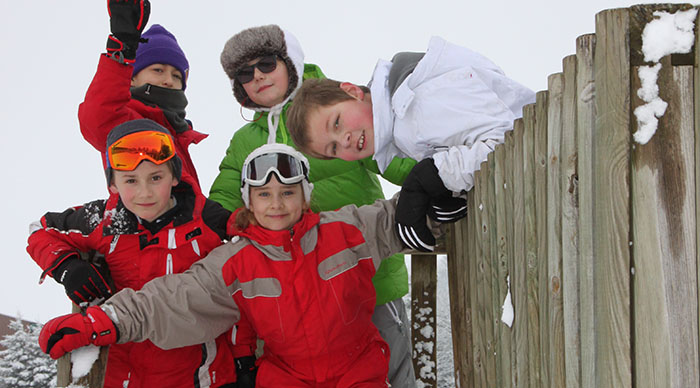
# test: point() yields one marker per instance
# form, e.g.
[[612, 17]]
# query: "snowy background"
[[50, 51]]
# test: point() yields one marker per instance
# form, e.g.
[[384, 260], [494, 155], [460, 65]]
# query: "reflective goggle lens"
[[126, 153], [289, 169], [266, 64]]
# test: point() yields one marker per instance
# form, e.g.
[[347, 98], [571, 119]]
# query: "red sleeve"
[[106, 102], [243, 338], [59, 235]]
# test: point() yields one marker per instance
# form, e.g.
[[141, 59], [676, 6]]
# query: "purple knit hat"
[[161, 47]]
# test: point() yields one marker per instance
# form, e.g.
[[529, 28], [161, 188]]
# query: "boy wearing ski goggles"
[[156, 222]]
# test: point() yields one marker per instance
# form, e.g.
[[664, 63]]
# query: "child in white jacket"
[[448, 108]]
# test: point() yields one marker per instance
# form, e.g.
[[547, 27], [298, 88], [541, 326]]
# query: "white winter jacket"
[[455, 107]]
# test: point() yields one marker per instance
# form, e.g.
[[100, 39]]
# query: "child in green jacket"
[[266, 68]]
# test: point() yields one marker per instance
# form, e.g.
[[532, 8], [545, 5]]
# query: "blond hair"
[[314, 93]]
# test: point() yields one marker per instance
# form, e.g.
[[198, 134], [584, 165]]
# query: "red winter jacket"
[[306, 292], [108, 103], [135, 255]]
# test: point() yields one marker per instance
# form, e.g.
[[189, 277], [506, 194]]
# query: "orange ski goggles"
[[126, 153]]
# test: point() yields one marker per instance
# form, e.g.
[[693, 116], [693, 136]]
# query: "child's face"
[[344, 130], [268, 89], [158, 74], [277, 206], [145, 191]]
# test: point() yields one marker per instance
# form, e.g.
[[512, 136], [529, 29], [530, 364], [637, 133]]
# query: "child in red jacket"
[[140, 76], [155, 223]]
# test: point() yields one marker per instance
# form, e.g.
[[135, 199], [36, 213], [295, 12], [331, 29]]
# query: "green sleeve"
[[226, 188], [395, 172]]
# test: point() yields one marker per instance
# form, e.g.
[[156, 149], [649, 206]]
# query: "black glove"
[[246, 371], [83, 281], [422, 185], [447, 209], [127, 19]]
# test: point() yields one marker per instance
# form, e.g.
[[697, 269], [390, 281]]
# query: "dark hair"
[[314, 93]]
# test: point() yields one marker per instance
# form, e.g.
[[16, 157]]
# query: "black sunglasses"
[[266, 64]]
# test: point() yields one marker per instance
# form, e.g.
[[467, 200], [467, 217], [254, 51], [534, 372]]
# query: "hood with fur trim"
[[256, 42]]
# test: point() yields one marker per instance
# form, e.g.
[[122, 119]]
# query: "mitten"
[[246, 370], [127, 19], [447, 208], [83, 281], [422, 185], [72, 331]]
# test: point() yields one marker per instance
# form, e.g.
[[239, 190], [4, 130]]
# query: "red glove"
[[72, 331]]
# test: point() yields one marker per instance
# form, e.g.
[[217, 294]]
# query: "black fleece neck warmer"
[[172, 101]]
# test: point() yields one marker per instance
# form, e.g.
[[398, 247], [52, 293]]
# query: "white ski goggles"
[[289, 170]]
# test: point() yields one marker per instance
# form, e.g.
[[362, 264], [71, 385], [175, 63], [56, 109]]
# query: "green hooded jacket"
[[336, 183]]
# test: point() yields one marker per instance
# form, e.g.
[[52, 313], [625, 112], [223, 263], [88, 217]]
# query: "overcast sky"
[[50, 50]]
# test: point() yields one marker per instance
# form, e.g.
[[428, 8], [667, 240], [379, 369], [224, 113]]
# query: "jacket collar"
[[119, 220], [280, 238], [382, 116]]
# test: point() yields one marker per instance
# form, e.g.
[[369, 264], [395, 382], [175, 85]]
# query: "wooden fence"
[[596, 233]]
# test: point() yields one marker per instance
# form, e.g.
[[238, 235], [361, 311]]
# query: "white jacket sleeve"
[[457, 165]]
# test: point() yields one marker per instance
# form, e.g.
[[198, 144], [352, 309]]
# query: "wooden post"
[[460, 303], [423, 317], [557, 377], [585, 124], [485, 260], [472, 226], [531, 260], [510, 191], [519, 281], [94, 379], [611, 212], [541, 108], [569, 226], [502, 195]]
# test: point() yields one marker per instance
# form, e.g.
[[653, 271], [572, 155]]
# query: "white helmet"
[[289, 165]]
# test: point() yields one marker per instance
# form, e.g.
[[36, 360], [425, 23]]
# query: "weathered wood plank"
[[490, 201], [696, 131], [519, 283], [557, 376], [663, 232], [569, 226], [529, 220], [611, 145], [585, 124], [423, 317], [541, 107], [474, 202], [485, 260], [509, 146], [501, 194], [460, 303]]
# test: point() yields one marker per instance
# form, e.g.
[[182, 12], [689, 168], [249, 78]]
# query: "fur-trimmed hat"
[[256, 42], [161, 47], [133, 126]]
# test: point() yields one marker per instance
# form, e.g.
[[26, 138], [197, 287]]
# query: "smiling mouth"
[[263, 88], [361, 142]]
